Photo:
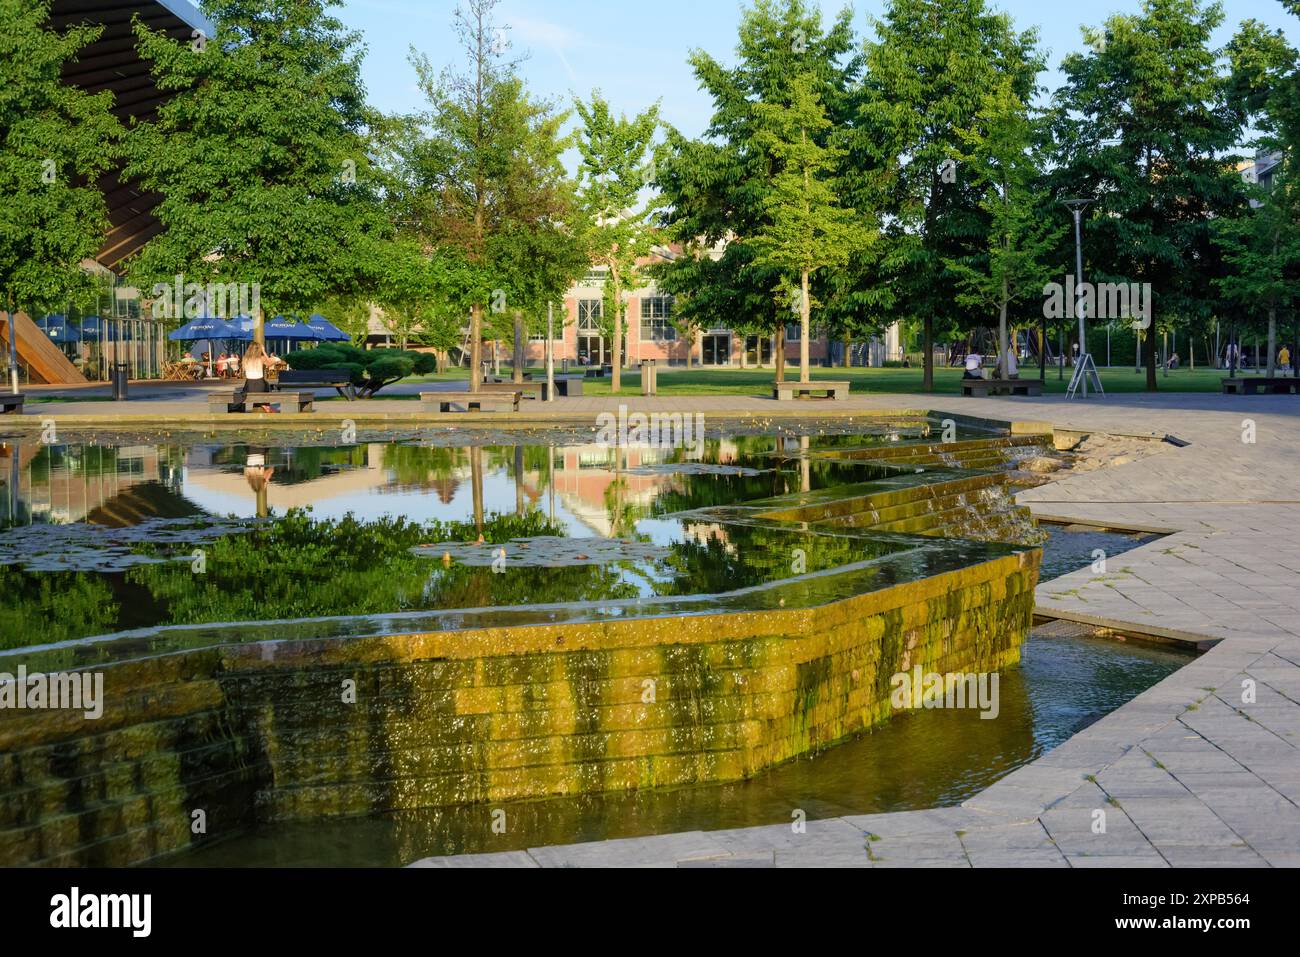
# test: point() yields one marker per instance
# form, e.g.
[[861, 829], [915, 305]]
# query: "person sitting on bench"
[[256, 364], [1012, 369], [974, 366]]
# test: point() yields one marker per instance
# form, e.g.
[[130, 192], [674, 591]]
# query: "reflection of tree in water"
[[423, 467], [741, 556], [298, 567], [43, 607], [299, 465], [465, 587]]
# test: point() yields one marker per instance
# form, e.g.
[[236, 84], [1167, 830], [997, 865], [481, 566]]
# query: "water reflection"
[[371, 505]]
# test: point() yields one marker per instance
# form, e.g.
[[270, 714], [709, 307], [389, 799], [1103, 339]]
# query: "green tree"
[[618, 156], [928, 71], [1143, 123], [715, 189], [1262, 249], [807, 229], [1002, 154], [55, 142], [481, 164], [261, 155]]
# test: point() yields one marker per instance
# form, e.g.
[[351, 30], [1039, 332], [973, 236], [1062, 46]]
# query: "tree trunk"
[[519, 480], [616, 381], [927, 359], [1004, 371], [805, 329], [1153, 384], [780, 354], [475, 346], [848, 353], [518, 374], [476, 483], [1272, 342]]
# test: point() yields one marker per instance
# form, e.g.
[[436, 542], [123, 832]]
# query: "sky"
[[635, 51]]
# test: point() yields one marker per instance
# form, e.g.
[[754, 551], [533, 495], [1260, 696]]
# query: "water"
[[135, 547], [1072, 548], [919, 760], [132, 536]]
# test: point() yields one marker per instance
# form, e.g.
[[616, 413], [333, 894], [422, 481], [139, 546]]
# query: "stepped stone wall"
[[262, 732]]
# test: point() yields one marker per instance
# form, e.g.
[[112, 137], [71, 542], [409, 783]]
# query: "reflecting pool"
[[349, 650]]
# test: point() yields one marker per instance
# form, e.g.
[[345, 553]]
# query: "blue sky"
[[635, 50]]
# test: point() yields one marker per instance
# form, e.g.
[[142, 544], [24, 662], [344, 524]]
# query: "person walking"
[[1284, 359]]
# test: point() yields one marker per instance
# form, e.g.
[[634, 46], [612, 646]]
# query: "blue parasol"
[[326, 331]]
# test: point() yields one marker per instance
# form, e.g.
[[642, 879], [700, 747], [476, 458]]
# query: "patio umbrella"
[[91, 328], [58, 328], [326, 331], [210, 329], [282, 327], [207, 328]]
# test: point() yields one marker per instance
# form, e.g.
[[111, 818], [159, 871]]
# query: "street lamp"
[[1084, 366]]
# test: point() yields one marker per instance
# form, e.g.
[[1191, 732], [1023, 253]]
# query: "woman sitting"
[[256, 365]]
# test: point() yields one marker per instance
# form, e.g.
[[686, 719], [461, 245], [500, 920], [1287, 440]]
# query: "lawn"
[[901, 381]]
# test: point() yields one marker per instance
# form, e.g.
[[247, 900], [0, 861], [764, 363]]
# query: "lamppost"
[[1085, 363]]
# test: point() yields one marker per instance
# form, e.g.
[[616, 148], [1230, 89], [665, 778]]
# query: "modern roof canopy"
[[112, 63]]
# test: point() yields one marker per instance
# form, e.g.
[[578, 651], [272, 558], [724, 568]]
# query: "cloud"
[[542, 34]]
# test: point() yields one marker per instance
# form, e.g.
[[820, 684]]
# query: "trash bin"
[[648, 377], [564, 366], [119, 374]]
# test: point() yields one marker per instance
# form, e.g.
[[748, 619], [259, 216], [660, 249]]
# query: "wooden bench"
[[982, 388], [1259, 386], [530, 390], [789, 391], [237, 400], [338, 379], [470, 401], [538, 389], [12, 402]]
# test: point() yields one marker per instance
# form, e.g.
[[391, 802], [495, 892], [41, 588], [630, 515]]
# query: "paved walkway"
[[1202, 769]]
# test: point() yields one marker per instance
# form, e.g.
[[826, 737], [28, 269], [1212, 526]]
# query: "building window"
[[656, 319], [594, 276], [590, 312], [793, 333]]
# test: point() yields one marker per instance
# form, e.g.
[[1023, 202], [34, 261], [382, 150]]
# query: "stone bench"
[[1260, 386], [982, 388], [789, 391], [237, 400], [12, 402], [471, 401]]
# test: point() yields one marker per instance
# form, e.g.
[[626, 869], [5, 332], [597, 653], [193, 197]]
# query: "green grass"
[[899, 381]]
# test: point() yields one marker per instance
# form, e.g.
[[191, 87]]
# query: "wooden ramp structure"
[[45, 361]]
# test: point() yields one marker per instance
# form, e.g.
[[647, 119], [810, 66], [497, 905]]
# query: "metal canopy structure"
[[112, 63]]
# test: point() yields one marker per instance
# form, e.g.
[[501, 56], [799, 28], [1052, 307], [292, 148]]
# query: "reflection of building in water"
[[206, 475], [102, 486], [586, 477]]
